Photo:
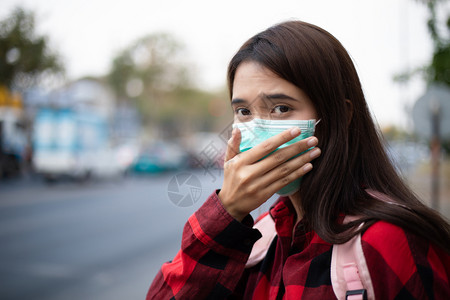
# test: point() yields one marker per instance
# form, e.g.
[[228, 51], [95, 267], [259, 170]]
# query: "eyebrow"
[[278, 96], [270, 97], [237, 101]]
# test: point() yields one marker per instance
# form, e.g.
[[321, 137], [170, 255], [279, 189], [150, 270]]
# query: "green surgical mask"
[[258, 130]]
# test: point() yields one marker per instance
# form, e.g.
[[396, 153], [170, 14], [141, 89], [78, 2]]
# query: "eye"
[[280, 109], [243, 112]]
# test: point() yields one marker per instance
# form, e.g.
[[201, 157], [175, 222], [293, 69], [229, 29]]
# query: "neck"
[[296, 202]]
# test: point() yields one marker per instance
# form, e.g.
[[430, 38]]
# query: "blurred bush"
[[25, 57]]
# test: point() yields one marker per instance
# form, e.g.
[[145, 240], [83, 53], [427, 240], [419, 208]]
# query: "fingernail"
[[314, 153], [295, 131], [308, 167], [312, 142]]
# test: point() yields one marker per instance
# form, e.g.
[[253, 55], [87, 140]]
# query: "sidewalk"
[[420, 181]]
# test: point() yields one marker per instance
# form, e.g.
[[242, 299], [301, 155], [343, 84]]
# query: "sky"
[[383, 37]]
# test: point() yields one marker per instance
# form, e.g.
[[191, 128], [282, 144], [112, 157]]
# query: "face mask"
[[258, 130]]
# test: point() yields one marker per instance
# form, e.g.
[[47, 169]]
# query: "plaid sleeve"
[[404, 266], [214, 250]]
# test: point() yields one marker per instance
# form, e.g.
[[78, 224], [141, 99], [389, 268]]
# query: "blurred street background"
[[100, 240], [114, 118]]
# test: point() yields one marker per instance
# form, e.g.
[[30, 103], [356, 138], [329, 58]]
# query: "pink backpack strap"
[[266, 226], [385, 198], [350, 275]]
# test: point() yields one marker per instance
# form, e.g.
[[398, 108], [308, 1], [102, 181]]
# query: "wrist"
[[230, 208]]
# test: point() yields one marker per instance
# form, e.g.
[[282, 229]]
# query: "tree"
[[151, 64], [24, 56], [438, 71], [153, 74]]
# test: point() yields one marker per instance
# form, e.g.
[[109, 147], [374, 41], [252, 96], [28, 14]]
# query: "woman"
[[297, 71]]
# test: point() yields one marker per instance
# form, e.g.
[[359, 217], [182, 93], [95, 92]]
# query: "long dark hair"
[[353, 157]]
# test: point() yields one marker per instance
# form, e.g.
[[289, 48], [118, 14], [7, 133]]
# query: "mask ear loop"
[[315, 124]]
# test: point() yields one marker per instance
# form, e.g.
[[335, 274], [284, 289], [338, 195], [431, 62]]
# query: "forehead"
[[252, 73], [252, 80]]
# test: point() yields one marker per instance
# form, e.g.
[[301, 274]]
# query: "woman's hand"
[[249, 181]]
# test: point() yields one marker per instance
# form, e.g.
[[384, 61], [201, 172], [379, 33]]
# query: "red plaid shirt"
[[215, 248]]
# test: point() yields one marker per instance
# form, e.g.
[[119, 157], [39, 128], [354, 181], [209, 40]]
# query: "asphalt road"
[[97, 240], [102, 239]]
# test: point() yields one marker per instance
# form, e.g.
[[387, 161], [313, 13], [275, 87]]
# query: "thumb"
[[233, 144]]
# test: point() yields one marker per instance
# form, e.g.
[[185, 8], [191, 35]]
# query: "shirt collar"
[[281, 208]]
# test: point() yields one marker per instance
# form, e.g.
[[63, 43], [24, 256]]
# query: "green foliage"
[[154, 61], [438, 71], [440, 65], [24, 56]]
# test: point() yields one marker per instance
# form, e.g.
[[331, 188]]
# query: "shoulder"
[[393, 242], [385, 236], [388, 244], [395, 255]]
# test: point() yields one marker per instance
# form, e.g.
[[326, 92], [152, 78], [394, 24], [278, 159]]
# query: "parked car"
[[160, 157]]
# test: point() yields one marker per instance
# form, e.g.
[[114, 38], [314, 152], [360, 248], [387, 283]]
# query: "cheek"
[[304, 114], [311, 111]]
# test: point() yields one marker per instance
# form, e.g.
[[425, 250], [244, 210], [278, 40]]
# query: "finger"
[[298, 166], [285, 154], [290, 170], [233, 144], [282, 182], [269, 145]]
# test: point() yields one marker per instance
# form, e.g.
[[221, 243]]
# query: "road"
[[97, 240]]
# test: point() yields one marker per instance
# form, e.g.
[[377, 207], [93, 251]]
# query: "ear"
[[349, 105]]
